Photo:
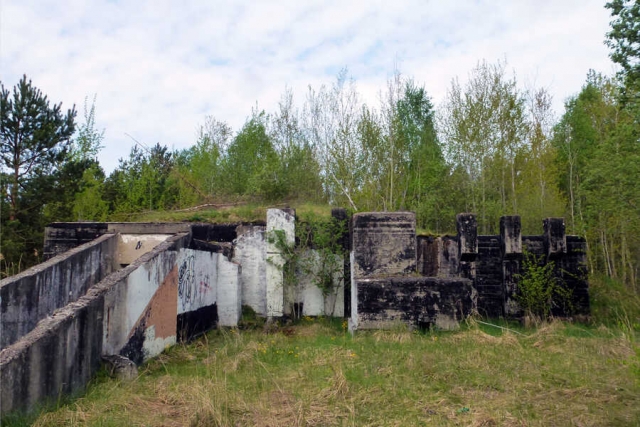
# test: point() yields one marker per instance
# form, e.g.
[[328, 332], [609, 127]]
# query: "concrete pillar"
[[555, 238], [280, 222], [467, 227], [229, 295], [511, 249], [511, 236]]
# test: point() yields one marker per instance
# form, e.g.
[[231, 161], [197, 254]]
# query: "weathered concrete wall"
[[308, 295], [250, 251], [229, 292], [131, 312], [384, 293], [141, 303], [58, 357], [418, 301], [37, 292], [384, 244], [59, 237]]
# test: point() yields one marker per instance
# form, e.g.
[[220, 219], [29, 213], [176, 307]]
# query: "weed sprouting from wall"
[[540, 289], [324, 265]]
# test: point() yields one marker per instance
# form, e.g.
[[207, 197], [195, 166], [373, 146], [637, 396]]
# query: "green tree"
[[624, 40], [331, 120], [35, 137], [88, 143], [300, 169], [251, 164], [483, 127], [142, 182], [597, 140]]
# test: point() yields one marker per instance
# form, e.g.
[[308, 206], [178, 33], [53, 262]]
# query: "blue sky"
[[159, 67]]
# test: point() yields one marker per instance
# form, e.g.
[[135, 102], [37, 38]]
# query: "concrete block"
[[555, 237], [416, 301], [384, 244], [511, 236], [467, 227]]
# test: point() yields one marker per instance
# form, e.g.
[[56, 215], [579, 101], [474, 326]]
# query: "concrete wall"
[[250, 251], [278, 221], [494, 262], [309, 296], [37, 292], [131, 312], [385, 289], [418, 301], [58, 357], [141, 303]]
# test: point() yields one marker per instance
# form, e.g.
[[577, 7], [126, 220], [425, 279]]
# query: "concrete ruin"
[[131, 290]]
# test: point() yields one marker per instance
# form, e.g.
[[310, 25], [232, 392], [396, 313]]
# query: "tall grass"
[[317, 374]]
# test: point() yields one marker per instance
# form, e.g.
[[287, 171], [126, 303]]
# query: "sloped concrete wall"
[[131, 312], [141, 303], [133, 246], [58, 357], [37, 292]]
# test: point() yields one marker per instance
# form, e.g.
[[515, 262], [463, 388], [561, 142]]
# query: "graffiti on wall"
[[186, 280], [195, 287]]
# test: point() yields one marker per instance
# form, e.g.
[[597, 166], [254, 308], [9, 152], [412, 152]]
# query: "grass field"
[[315, 373]]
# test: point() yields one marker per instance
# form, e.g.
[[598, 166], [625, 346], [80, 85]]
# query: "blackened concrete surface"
[[418, 301], [194, 323], [62, 236]]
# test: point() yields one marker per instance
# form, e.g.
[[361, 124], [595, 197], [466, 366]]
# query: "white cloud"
[[159, 67]]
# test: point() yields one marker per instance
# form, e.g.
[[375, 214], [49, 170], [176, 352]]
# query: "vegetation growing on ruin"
[[324, 266], [316, 373]]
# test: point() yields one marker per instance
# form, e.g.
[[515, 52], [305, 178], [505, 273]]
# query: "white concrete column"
[[278, 222]]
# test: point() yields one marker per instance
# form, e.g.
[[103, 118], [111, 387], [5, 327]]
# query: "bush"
[[540, 289]]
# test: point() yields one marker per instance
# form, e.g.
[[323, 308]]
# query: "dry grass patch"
[[318, 375]]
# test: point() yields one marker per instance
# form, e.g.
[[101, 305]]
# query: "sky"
[[158, 68]]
